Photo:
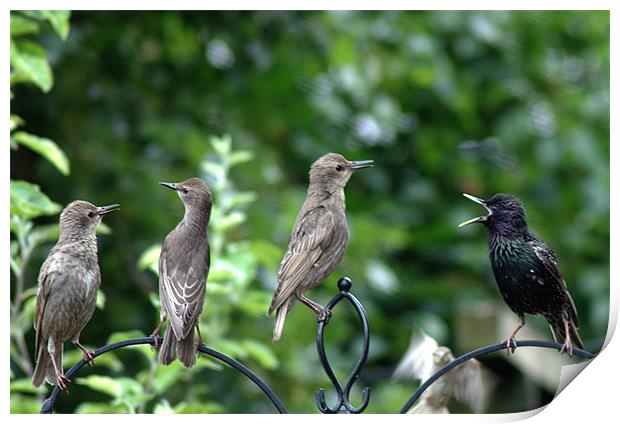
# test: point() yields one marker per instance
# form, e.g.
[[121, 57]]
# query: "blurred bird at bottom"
[[468, 383]]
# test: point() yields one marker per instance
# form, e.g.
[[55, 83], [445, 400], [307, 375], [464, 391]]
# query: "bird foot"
[[89, 357], [511, 345], [155, 344], [567, 347], [62, 381], [323, 316]]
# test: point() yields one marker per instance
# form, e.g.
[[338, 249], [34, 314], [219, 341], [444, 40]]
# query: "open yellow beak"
[[478, 218]]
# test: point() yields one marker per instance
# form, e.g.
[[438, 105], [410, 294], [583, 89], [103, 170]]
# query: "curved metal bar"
[[344, 285], [483, 351], [48, 404]]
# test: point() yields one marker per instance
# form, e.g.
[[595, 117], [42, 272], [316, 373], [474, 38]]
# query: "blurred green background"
[[444, 102]]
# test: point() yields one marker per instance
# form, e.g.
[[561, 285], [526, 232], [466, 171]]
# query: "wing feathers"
[[311, 236], [183, 289]]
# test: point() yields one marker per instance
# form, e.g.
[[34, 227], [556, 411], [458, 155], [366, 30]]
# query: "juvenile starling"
[[318, 240], [526, 271], [68, 283], [469, 383], [183, 268]]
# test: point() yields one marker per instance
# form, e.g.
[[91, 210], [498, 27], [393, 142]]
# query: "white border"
[[592, 395]]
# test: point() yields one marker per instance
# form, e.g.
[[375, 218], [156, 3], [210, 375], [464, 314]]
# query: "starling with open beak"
[[318, 240], [526, 271], [67, 294], [183, 268]]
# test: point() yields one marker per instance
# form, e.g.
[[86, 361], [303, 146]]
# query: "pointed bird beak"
[[478, 218], [104, 210], [171, 186], [359, 164]]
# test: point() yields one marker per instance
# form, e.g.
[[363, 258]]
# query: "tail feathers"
[[559, 333], [44, 360], [44, 369], [184, 350], [281, 313], [168, 350]]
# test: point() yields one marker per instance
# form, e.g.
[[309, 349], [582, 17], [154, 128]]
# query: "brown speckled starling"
[[68, 283], [526, 270], [183, 268], [319, 238]]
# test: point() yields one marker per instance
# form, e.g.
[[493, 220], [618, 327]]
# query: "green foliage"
[[29, 65], [46, 148], [27, 201], [444, 102]]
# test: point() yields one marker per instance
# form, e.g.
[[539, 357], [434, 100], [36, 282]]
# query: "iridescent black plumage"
[[526, 270]]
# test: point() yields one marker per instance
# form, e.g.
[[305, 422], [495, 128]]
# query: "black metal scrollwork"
[[344, 285], [49, 403]]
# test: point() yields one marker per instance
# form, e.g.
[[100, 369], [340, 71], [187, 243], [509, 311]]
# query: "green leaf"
[[21, 25], [22, 404], [255, 302], [59, 20], [43, 234], [109, 360], [149, 257], [219, 289], [199, 408], [16, 121], [27, 201], [46, 148], [163, 407], [25, 318], [240, 156], [100, 299], [104, 229], [154, 299], [146, 350], [231, 347], [102, 384], [24, 385], [124, 335], [29, 64], [221, 145], [20, 227], [167, 376], [261, 353], [218, 274], [229, 221], [16, 261], [120, 388]]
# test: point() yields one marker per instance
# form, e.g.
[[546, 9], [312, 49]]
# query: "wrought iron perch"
[[48, 404], [344, 284], [342, 393]]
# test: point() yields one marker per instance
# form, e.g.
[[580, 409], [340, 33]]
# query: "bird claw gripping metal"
[[344, 285]]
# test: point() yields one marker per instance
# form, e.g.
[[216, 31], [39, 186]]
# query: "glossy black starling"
[[183, 268], [526, 270], [68, 283], [318, 240]]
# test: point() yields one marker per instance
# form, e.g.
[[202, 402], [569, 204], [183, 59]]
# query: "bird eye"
[[185, 190], [90, 214], [339, 167]]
